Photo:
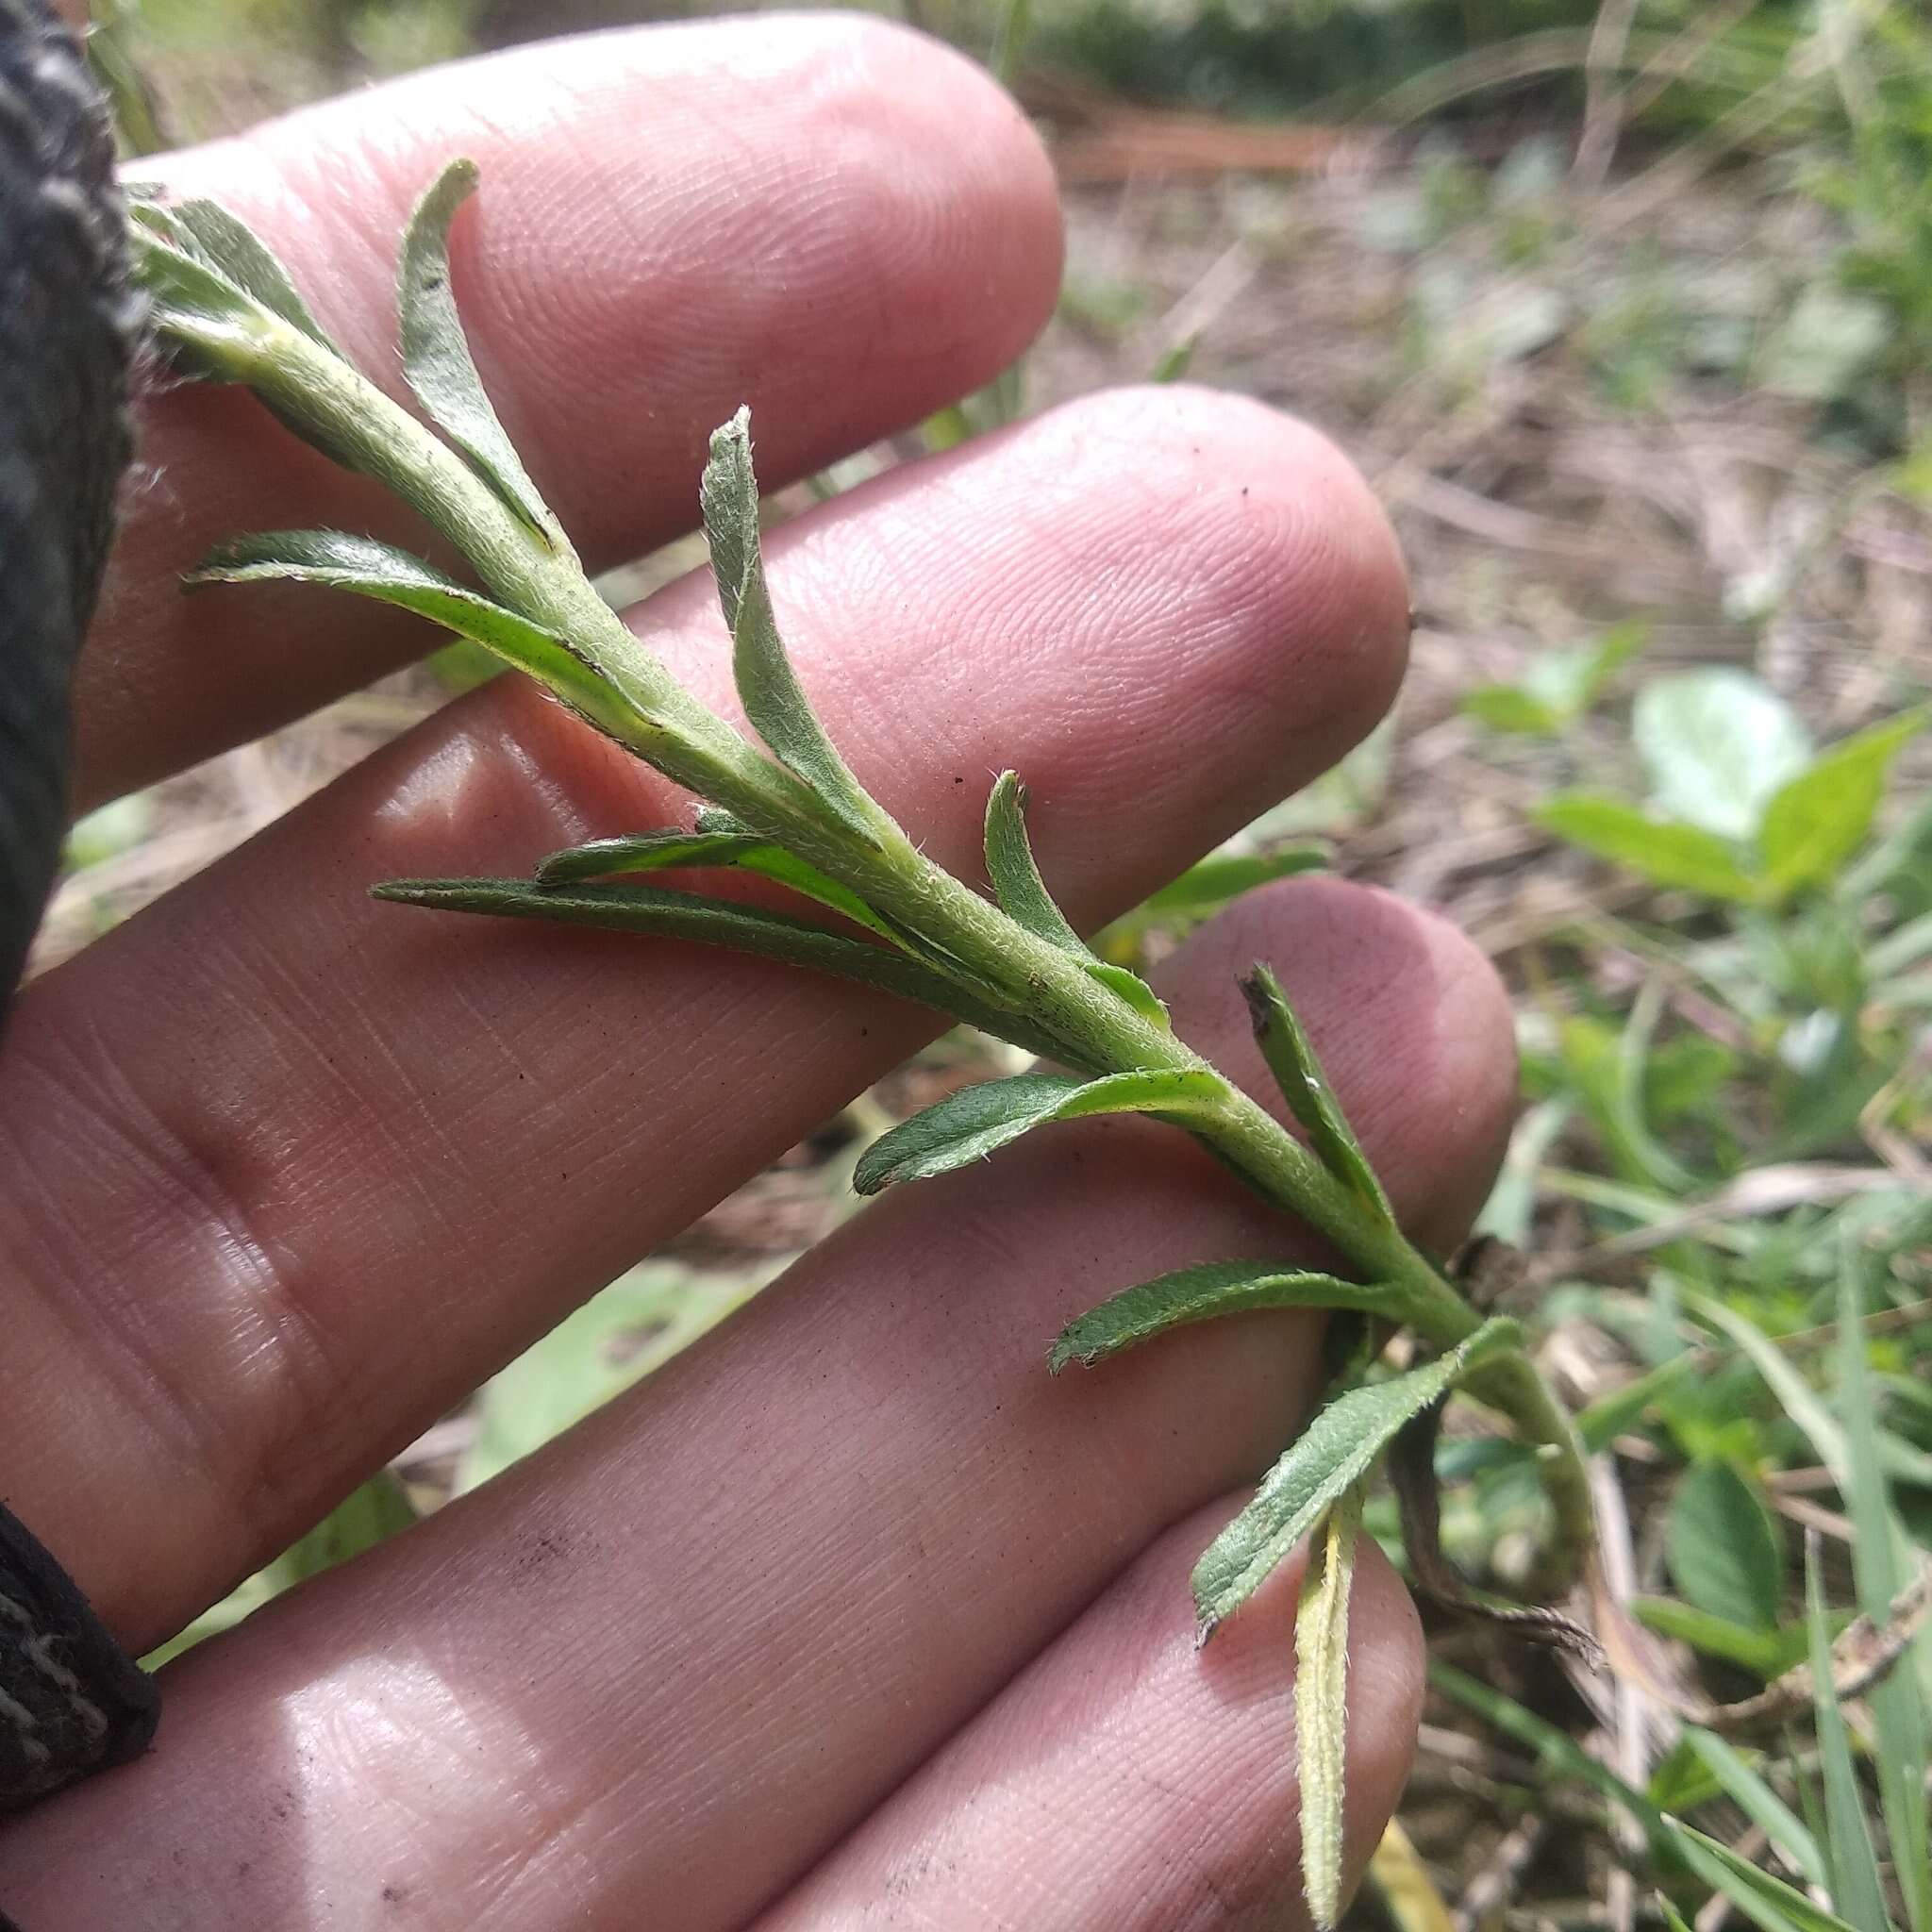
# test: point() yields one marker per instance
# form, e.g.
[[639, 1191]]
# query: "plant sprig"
[[793, 811]]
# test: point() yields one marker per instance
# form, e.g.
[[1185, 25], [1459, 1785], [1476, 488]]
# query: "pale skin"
[[852, 1616]]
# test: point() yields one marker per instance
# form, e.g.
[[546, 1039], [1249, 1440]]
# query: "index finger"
[[835, 220]]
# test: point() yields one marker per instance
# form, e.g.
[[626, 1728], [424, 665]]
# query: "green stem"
[[1030, 976]]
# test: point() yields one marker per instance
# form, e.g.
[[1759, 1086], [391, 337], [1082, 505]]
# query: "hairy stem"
[[1000, 967]]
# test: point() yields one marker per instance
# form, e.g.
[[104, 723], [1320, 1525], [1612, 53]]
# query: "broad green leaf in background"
[[1818, 818], [977, 1121], [1670, 853], [1557, 686], [366, 1516], [437, 363], [1333, 1453], [1201, 1294], [774, 699], [1310, 1099], [1321, 1704], [1725, 1550], [380, 571], [1716, 743]]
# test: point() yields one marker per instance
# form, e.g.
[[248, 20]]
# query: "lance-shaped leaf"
[[979, 1121], [745, 850], [767, 687], [393, 576], [1023, 897], [233, 249], [1304, 1086], [437, 363], [1321, 1703], [720, 922], [1337, 1450], [1200, 1294]]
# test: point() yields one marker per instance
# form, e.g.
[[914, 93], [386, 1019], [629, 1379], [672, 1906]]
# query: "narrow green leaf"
[[1725, 1550], [1174, 363], [1817, 820], [646, 851], [769, 688], [1856, 1889], [1023, 898], [1321, 1704], [1297, 1072], [234, 250], [393, 576], [1224, 875], [1558, 1754], [1015, 874], [1335, 1451], [1758, 1802], [979, 1121], [1666, 851], [721, 922], [1673, 1920], [437, 363], [1201, 1294], [1766, 1653], [1766, 1901]]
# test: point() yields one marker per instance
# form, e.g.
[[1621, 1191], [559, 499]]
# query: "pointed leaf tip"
[[437, 363], [1310, 1099], [774, 699]]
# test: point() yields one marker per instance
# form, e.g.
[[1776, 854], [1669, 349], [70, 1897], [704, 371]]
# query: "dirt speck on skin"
[[547, 1557]]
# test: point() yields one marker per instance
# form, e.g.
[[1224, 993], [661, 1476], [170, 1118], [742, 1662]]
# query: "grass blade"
[[1855, 1887]]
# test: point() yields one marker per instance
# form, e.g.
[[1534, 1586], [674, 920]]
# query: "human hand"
[[849, 1615]]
